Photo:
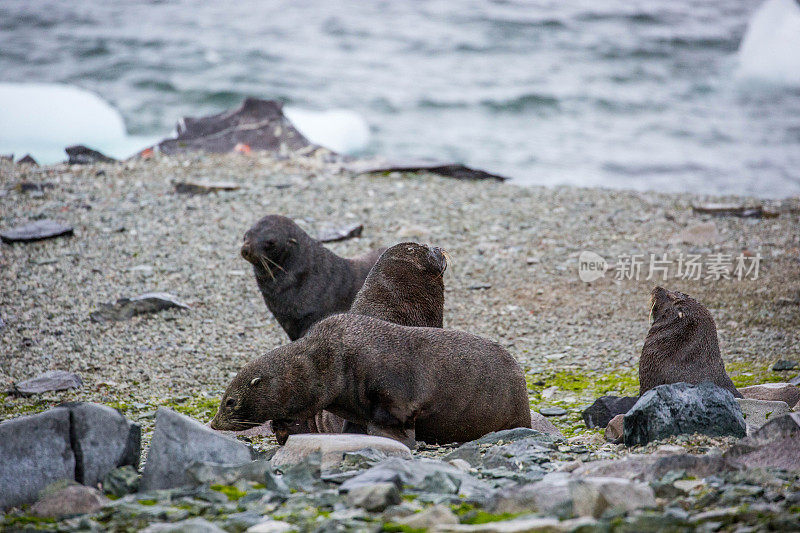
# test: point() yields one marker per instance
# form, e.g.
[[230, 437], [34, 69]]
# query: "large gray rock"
[[376, 497], [52, 380], [681, 408], [758, 412], [594, 496], [600, 413], [334, 447], [178, 441], [431, 517], [775, 445], [69, 501], [35, 451], [539, 422], [774, 392], [550, 496], [103, 440], [649, 467]]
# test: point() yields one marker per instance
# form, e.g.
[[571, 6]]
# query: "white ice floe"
[[770, 49]]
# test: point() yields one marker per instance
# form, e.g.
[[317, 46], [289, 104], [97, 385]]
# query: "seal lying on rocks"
[[681, 344], [402, 382], [405, 286], [301, 281]]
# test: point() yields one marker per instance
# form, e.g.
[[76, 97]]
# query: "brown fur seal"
[[301, 281], [442, 385], [405, 286], [681, 344]]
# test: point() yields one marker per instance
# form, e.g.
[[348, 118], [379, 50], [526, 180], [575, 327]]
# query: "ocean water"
[[649, 95]]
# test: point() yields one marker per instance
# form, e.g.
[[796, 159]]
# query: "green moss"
[[198, 407], [410, 497], [394, 527], [744, 374], [482, 517], [26, 520], [462, 508], [147, 502], [231, 492]]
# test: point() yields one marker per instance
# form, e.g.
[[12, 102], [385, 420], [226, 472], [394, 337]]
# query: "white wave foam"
[[770, 49], [341, 130], [42, 119]]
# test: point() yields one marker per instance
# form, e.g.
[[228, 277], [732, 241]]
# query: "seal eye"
[[254, 382], [268, 244], [230, 403]]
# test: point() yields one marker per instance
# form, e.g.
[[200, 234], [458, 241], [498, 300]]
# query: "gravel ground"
[[513, 275]]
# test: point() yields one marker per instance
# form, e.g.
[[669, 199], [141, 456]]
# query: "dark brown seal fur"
[[301, 281], [443, 385], [405, 286], [681, 344]]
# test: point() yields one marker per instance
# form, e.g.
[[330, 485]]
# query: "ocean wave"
[[770, 49], [341, 130], [522, 102]]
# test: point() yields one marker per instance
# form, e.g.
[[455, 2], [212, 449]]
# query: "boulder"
[[375, 497], [600, 413], [775, 445], [594, 496], [774, 392], [431, 517], [549, 496], [334, 447], [615, 429], [102, 440], [35, 451], [784, 364], [178, 441], [649, 467], [125, 308], [758, 412], [540, 423], [52, 380], [82, 155], [683, 408], [35, 231], [69, 501]]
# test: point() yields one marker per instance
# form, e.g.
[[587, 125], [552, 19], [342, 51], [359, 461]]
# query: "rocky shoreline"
[[514, 278]]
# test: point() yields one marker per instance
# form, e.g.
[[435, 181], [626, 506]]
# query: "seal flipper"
[[405, 436]]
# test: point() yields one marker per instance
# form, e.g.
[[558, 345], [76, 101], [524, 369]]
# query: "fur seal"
[[405, 286], [681, 344], [402, 382], [301, 281]]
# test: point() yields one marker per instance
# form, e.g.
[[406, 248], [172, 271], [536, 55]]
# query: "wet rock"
[[550, 496], [775, 392], [698, 235], [553, 411], [375, 497], [341, 234], [431, 517], [600, 413], [451, 170], [35, 452], [27, 160], [775, 445], [204, 187], [540, 423], [82, 155], [68, 501], [784, 364], [520, 451], [125, 308], [681, 408], [121, 481], [306, 475], [205, 473], [271, 526], [52, 380], [36, 231], [255, 125], [594, 496], [193, 525], [334, 447], [426, 475], [178, 441], [758, 412], [615, 429]]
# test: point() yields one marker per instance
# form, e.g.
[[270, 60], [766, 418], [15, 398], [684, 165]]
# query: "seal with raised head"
[[403, 382], [681, 345], [301, 281], [405, 286]]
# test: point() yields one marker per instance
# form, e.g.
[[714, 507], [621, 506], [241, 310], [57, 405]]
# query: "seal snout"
[[247, 250], [439, 257]]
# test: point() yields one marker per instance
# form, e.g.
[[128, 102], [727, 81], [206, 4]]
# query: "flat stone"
[[448, 169], [783, 364], [734, 210], [600, 413], [615, 429], [594, 496], [52, 380], [35, 452], [341, 234], [204, 187], [334, 447], [204, 473], [775, 445], [69, 501], [550, 496], [776, 392], [271, 526], [193, 525], [375, 497], [540, 423], [36, 231], [758, 412], [429, 518], [682, 408], [698, 234], [82, 155], [651, 466], [178, 441], [553, 411], [125, 308], [522, 525]]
